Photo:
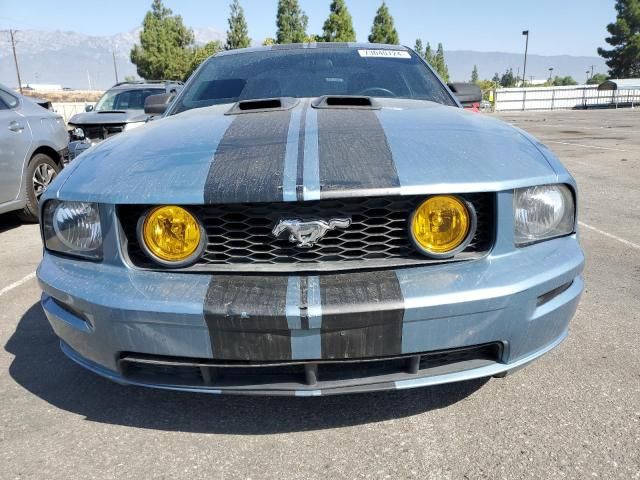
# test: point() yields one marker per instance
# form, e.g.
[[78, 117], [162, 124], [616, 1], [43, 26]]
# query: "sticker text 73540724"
[[384, 53]]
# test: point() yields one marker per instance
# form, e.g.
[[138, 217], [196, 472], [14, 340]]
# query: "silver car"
[[33, 145]]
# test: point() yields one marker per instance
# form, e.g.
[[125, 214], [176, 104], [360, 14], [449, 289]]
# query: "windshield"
[[311, 72], [115, 100]]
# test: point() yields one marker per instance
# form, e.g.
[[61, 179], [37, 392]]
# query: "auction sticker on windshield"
[[384, 53]]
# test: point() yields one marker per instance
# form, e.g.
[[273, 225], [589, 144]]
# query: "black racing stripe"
[[249, 161], [353, 151], [246, 317], [361, 315]]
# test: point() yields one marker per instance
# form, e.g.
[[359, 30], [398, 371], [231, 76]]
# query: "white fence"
[[69, 109], [551, 98], [537, 98]]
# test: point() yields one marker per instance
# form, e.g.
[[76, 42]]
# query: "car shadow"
[[9, 221], [40, 367]]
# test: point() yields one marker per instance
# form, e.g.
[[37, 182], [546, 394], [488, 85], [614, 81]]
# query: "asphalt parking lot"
[[573, 414]]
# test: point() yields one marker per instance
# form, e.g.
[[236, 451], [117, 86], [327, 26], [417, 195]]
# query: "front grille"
[[294, 375], [240, 238], [101, 132]]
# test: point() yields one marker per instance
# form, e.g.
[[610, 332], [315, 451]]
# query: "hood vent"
[[260, 104], [346, 102], [263, 105]]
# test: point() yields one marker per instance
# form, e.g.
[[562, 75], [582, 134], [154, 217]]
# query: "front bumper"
[[519, 299]]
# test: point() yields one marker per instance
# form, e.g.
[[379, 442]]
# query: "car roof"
[[161, 85], [313, 45]]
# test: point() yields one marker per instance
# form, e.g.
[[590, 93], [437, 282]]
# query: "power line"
[[12, 35], [115, 67]]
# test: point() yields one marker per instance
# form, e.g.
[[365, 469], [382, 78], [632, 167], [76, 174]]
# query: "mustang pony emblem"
[[306, 234]]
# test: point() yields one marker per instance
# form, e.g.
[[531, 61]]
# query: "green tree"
[[166, 45], [200, 54], [569, 80], [268, 41], [428, 55], [238, 33], [291, 22], [419, 48], [339, 26], [474, 74], [623, 59], [383, 30], [440, 64], [487, 86], [564, 81], [508, 79], [597, 79], [496, 78]]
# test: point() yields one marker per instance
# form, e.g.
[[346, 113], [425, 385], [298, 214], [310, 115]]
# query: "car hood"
[[209, 155], [107, 118]]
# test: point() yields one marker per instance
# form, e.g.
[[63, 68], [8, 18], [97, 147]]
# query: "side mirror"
[[88, 108], [466, 93], [157, 104]]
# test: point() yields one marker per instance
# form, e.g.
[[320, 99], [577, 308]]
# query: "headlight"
[[543, 212], [73, 228], [171, 236], [442, 226], [131, 126], [77, 134]]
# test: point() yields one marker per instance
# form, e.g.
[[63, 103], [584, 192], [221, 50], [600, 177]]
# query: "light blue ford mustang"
[[309, 220]]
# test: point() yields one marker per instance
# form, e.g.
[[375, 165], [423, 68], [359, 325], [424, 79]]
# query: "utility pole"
[[12, 35], [550, 73], [115, 67], [526, 50]]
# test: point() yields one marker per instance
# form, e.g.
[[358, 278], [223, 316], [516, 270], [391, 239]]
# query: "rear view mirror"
[[88, 108], [466, 93], [157, 104]]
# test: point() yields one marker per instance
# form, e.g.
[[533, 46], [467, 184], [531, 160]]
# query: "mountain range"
[[80, 61]]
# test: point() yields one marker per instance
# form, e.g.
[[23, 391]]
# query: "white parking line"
[[585, 146], [22, 281], [575, 127], [606, 234]]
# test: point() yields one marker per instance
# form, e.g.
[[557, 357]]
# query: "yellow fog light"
[[172, 236], [442, 226]]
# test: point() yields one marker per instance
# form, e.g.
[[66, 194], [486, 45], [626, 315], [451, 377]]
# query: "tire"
[[41, 171]]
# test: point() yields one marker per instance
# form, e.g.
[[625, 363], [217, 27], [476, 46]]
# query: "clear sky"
[[573, 27]]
